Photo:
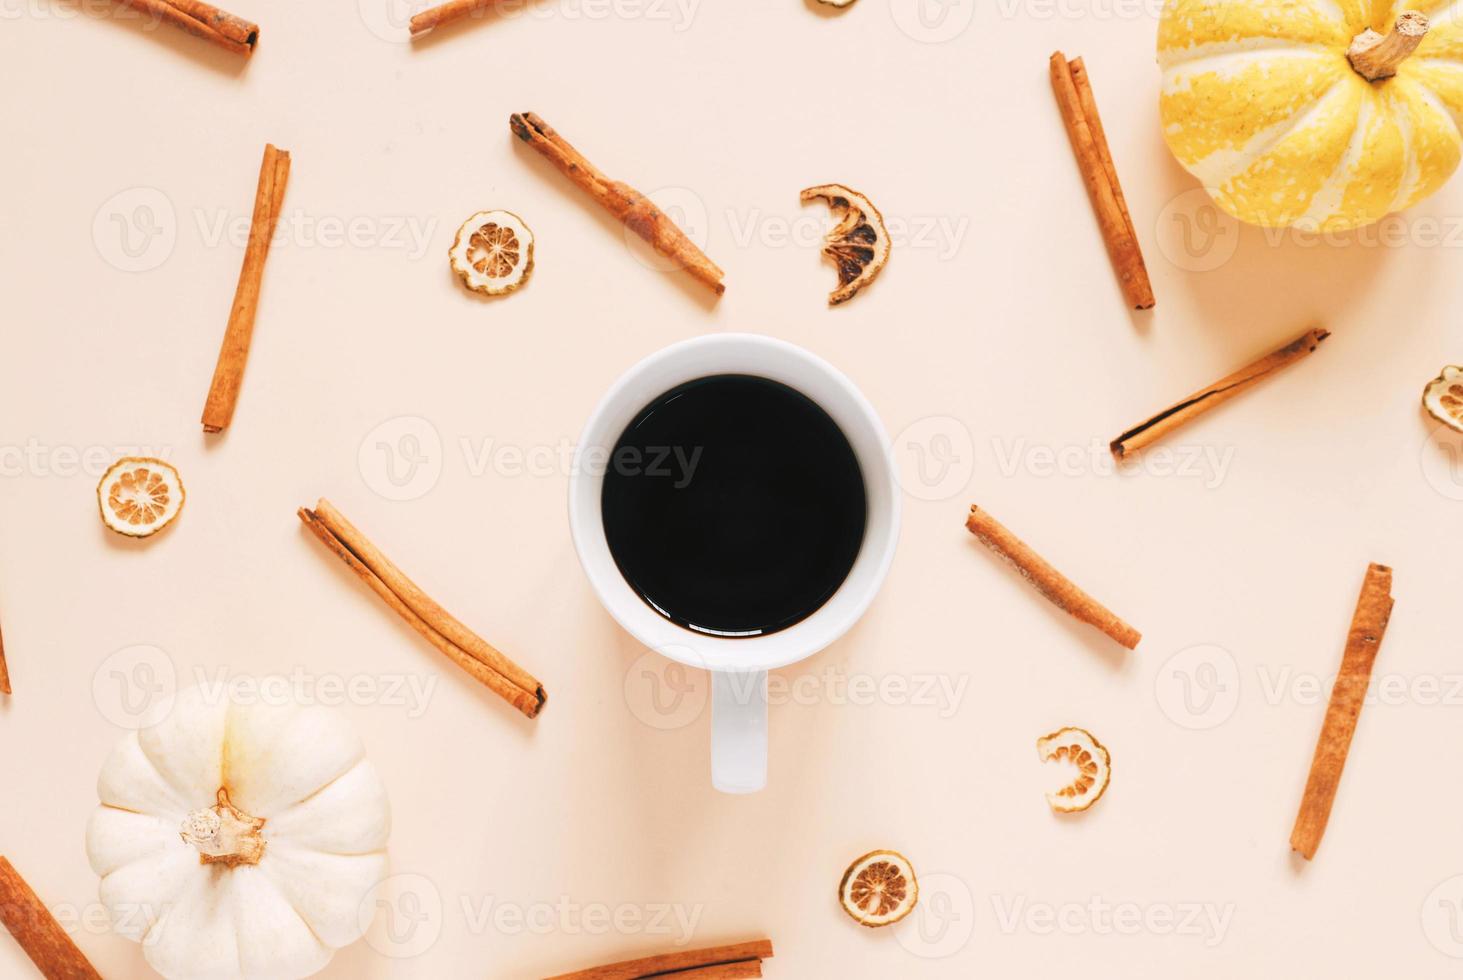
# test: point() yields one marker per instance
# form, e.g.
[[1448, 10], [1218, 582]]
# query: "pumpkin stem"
[[1376, 57], [224, 834]]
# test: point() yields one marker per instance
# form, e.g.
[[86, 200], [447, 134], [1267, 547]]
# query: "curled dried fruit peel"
[[1443, 397], [858, 245], [139, 496], [493, 252], [879, 889], [1091, 760]]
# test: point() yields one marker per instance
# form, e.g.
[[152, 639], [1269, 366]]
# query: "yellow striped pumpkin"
[[1265, 101]]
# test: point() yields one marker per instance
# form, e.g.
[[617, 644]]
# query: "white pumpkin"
[[239, 840]]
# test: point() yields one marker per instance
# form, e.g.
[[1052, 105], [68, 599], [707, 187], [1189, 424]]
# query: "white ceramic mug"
[[738, 665]]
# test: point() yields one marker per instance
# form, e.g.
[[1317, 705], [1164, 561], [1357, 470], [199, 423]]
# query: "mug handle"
[[738, 730]]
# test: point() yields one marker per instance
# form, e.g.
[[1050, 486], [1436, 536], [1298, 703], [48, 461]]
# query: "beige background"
[[995, 342]]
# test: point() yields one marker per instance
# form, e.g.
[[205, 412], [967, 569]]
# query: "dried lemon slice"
[[858, 245], [493, 253], [1443, 397], [1093, 764], [879, 889], [140, 496]]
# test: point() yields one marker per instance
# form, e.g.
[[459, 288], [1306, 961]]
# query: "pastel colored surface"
[[994, 345]]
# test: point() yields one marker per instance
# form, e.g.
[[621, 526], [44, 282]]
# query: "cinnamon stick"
[[228, 373], [1047, 580], [1147, 432], [735, 961], [38, 932], [4, 670], [203, 20], [1073, 90], [1368, 626], [484, 662], [446, 13], [637, 212], [1083, 84], [737, 970]]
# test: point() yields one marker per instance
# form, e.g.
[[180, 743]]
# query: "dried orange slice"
[[140, 496], [1088, 756], [493, 253], [1443, 397], [879, 889], [858, 245]]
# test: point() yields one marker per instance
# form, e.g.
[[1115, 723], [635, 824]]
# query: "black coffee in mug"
[[734, 505]]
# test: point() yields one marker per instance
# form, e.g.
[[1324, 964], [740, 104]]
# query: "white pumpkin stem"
[[1376, 57], [224, 834]]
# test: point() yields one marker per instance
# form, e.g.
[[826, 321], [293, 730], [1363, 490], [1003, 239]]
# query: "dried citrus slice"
[[1443, 397], [1088, 756], [858, 244], [836, 3], [493, 253], [879, 889], [140, 496]]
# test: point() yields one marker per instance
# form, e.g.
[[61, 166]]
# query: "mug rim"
[[756, 653]]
